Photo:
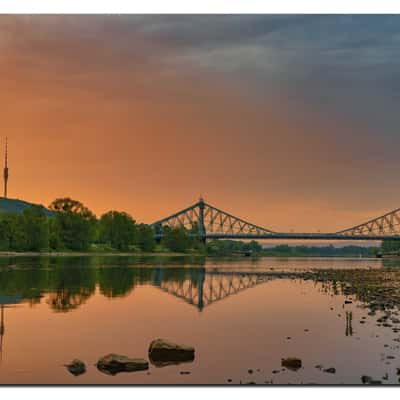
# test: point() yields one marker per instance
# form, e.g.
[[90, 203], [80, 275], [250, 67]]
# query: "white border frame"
[[199, 6]]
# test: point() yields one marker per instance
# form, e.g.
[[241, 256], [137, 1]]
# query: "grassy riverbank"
[[89, 253]]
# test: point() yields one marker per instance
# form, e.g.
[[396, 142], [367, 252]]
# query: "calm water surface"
[[237, 314]]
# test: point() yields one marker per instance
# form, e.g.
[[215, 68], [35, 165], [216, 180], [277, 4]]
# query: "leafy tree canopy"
[[76, 223], [118, 229]]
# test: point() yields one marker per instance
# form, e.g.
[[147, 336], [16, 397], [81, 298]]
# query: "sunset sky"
[[290, 122]]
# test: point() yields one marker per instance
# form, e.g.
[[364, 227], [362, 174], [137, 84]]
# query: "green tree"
[[117, 229], [76, 223], [5, 232], [36, 229], [177, 239], [145, 237], [14, 232], [227, 247], [391, 246], [55, 242], [255, 247]]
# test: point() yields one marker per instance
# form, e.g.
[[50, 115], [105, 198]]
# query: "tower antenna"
[[5, 173]]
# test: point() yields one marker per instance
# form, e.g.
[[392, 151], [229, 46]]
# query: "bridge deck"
[[296, 236], [212, 223], [304, 236]]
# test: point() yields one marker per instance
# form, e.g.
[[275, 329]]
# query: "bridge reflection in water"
[[203, 288], [66, 284]]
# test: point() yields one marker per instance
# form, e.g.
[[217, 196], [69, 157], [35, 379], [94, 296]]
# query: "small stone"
[[250, 371], [162, 352], [229, 380], [330, 370], [275, 371], [76, 367], [366, 379], [184, 372], [291, 363], [114, 363], [348, 302]]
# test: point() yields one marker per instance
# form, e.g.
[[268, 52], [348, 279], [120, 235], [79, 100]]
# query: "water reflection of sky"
[[69, 282], [236, 314]]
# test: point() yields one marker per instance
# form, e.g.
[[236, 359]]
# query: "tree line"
[[320, 251], [72, 226]]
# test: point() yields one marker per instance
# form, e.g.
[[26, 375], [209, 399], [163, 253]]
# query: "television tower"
[[5, 173]]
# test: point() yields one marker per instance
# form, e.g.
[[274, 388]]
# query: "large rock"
[[114, 363], [163, 352], [291, 363], [76, 367]]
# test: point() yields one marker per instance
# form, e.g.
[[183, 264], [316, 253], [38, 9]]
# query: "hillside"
[[18, 206]]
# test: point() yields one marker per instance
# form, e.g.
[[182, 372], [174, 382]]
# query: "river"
[[242, 316]]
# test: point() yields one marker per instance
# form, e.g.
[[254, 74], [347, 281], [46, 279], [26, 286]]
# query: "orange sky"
[[117, 120]]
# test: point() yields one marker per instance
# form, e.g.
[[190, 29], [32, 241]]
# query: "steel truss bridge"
[[208, 222], [204, 287]]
